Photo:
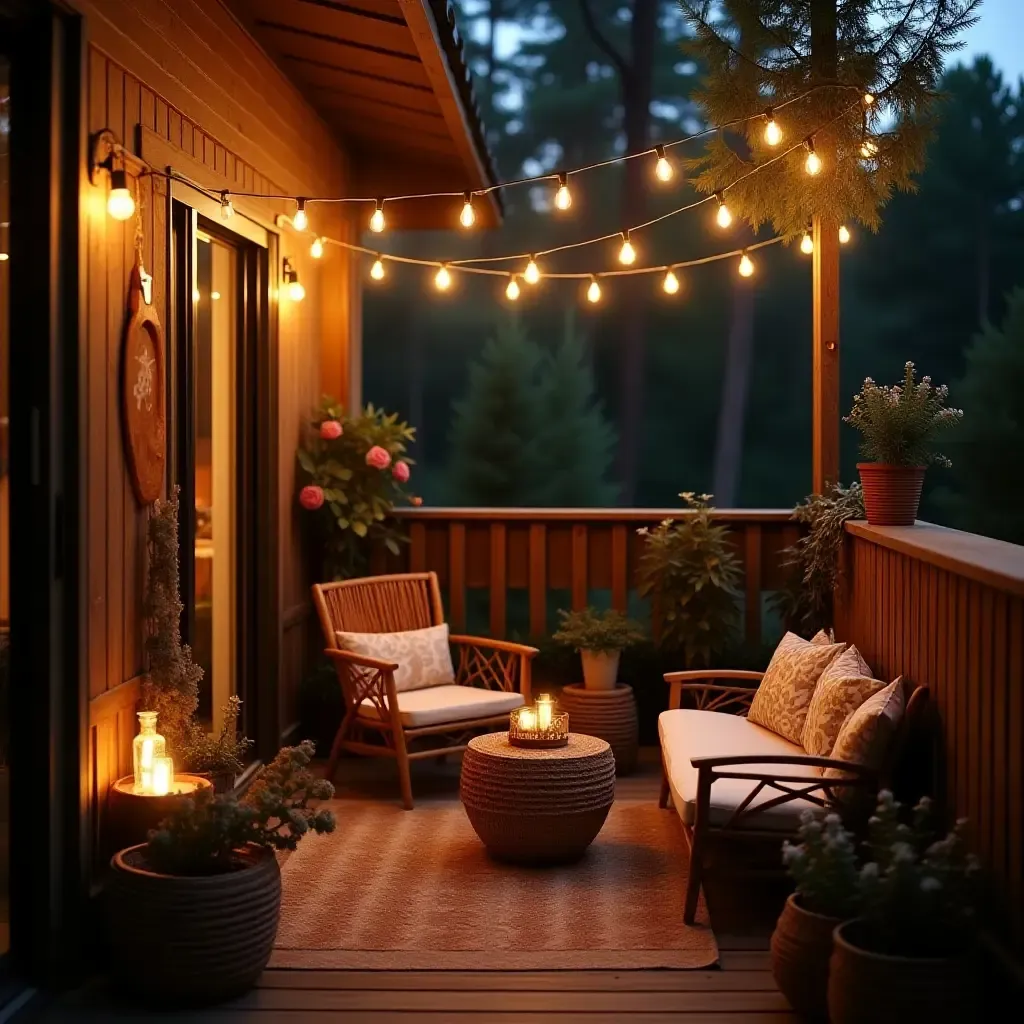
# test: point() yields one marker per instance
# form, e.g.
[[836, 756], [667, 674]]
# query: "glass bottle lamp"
[[146, 748]]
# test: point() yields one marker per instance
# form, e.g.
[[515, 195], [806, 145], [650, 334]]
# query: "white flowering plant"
[[824, 866], [918, 890], [899, 423]]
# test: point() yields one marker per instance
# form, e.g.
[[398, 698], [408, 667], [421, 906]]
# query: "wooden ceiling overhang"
[[391, 79]]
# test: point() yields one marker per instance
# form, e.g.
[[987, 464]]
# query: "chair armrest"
[[495, 645], [805, 760], [711, 696], [339, 656], [494, 664]]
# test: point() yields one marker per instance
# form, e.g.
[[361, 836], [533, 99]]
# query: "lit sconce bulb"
[[215, 296], [227, 211], [377, 270], [724, 217], [746, 266], [300, 221], [512, 291], [563, 197], [443, 279], [594, 291], [627, 254], [772, 131], [4, 257], [196, 295], [295, 290], [663, 169], [812, 165], [868, 149], [807, 244], [671, 282], [468, 216], [531, 275], [844, 234], [316, 250], [868, 99], [377, 219], [120, 203]]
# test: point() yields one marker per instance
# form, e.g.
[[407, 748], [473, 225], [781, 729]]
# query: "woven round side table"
[[609, 714], [537, 806]]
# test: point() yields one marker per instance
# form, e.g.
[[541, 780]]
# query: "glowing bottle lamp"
[[148, 748]]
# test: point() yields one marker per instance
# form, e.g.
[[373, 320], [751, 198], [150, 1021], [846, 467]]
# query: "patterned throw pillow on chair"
[[782, 699], [867, 732], [842, 688], [423, 655]]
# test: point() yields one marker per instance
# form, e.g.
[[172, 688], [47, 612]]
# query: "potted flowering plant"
[[899, 425], [824, 867], [600, 637], [905, 956], [194, 911]]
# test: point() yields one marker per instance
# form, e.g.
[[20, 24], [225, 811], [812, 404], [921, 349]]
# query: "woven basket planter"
[[192, 939], [892, 494], [801, 947], [607, 714]]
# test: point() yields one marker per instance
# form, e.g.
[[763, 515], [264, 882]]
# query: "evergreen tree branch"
[[601, 41]]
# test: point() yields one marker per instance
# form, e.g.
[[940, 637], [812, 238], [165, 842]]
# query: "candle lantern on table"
[[538, 725]]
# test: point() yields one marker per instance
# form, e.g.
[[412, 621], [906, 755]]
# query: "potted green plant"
[[898, 426], [218, 756], [600, 637], [906, 956], [194, 911], [824, 867]]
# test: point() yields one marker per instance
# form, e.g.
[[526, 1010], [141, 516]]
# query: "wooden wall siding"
[[534, 552], [949, 623]]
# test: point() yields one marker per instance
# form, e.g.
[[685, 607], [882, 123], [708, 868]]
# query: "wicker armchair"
[[372, 705]]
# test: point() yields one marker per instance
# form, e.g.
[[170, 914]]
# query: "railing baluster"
[[579, 566], [457, 575], [752, 551], [538, 580], [620, 567], [418, 547], [499, 580]]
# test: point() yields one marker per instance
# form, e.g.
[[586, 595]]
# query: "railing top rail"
[[591, 515]]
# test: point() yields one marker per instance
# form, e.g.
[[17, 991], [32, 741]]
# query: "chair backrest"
[[378, 604]]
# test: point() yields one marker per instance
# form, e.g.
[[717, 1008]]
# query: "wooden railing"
[[507, 570], [946, 609]]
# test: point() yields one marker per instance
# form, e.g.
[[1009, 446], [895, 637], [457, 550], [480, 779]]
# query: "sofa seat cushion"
[[436, 705], [686, 734]]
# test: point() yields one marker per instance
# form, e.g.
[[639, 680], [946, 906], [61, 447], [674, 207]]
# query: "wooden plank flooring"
[[739, 991]]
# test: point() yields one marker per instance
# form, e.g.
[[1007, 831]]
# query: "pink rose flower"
[[400, 471], [378, 457], [416, 500], [330, 430], [311, 497]]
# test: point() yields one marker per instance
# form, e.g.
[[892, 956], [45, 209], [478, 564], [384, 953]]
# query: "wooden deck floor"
[[740, 991]]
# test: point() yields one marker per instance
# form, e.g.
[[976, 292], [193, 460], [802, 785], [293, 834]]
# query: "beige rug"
[[415, 890]]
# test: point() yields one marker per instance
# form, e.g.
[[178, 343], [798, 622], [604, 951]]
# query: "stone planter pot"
[[892, 494], [801, 946], [608, 714], [600, 669], [865, 987], [191, 939]]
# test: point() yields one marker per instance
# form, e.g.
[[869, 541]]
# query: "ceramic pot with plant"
[[217, 756], [824, 866], [600, 637], [898, 426], [193, 912], [906, 956]]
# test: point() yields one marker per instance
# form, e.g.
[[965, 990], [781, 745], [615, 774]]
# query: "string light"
[[868, 99], [377, 218], [772, 131], [868, 149], [844, 234], [531, 275], [627, 254], [512, 291], [812, 165], [746, 265], [300, 221], [377, 270], [443, 278], [468, 216], [227, 211], [724, 217], [563, 197], [807, 244], [663, 169], [594, 291], [120, 202], [670, 284], [316, 250]]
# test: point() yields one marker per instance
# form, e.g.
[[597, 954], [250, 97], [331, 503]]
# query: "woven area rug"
[[415, 890]]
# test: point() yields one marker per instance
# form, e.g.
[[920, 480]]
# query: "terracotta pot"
[[892, 494], [600, 669], [801, 946], [192, 939], [873, 988], [609, 715]]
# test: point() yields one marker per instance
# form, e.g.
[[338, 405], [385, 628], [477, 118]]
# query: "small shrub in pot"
[[600, 637]]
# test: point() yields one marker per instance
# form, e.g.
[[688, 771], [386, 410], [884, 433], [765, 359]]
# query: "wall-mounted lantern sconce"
[[104, 153], [291, 278]]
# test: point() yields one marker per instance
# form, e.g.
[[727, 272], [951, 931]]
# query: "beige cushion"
[[686, 734], [783, 696], [823, 637], [423, 655], [440, 704], [842, 688], [868, 731]]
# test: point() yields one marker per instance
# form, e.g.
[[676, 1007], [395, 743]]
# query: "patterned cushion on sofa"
[[781, 701], [423, 655], [842, 688], [868, 731]]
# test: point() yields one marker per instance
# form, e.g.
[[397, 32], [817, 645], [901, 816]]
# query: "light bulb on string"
[[563, 197], [594, 291], [772, 131], [227, 211], [807, 244], [443, 278], [812, 165], [120, 202], [300, 221], [663, 169], [868, 149], [377, 218], [627, 254], [531, 275], [512, 290], [468, 216], [724, 217], [844, 234], [868, 99], [316, 250], [746, 265], [670, 284], [377, 270]]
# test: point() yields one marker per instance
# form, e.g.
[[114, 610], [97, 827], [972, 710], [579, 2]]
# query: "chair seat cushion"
[[686, 734], [436, 705]]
